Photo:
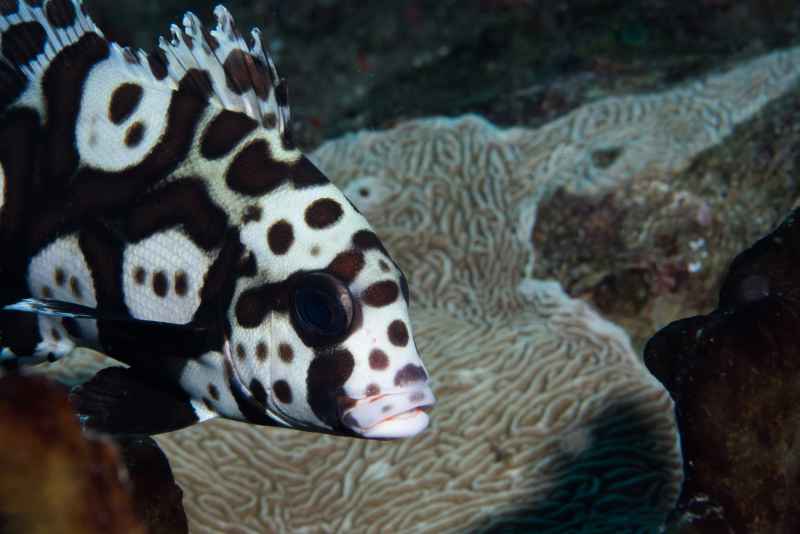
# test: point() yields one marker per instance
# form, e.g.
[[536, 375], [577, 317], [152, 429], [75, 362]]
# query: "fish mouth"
[[400, 414]]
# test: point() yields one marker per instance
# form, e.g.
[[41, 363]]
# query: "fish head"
[[320, 337]]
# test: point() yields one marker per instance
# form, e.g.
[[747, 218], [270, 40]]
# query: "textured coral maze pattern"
[[543, 408]]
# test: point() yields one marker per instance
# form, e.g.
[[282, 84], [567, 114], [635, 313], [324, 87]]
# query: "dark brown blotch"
[[135, 134], [224, 132], [124, 101], [8, 7], [378, 360], [237, 73], [59, 276], [23, 42], [323, 213], [410, 373], [60, 13], [75, 287], [261, 351], [157, 59], [241, 353], [213, 391], [372, 390], [282, 391], [398, 333], [55, 334], [285, 352], [280, 237], [251, 214], [47, 292], [181, 283], [381, 293], [139, 275], [254, 172], [160, 284], [306, 174], [347, 265]]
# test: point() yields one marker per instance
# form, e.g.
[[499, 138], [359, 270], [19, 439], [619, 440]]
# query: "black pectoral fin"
[[120, 400]]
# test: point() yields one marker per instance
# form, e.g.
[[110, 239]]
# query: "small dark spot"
[[384, 266], [213, 391], [181, 283], [347, 265], [51, 357], [160, 284], [240, 352], [381, 293], [387, 408], [261, 351], [269, 121], [75, 287], [282, 391], [280, 237], [410, 373], [55, 334], [378, 360], [135, 134], [314, 250], [251, 214], [364, 192], [323, 213], [139, 275], [605, 158], [47, 292], [416, 396], [59, 276], [285, 352], [124, 101], [372, 390], [398, 333]]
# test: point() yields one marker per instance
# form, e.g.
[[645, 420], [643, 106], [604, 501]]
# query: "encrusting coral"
[[546, 419]]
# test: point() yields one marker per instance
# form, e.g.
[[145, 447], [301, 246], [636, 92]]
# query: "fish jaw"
[[400, 414]]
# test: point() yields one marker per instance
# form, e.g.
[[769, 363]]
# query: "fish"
[[154, 207]]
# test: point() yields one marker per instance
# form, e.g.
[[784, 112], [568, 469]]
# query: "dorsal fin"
[[242, 77]]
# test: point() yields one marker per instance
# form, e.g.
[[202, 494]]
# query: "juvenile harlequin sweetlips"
[[154, 207]]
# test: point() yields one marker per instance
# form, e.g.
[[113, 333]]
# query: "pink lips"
[[393, 415]]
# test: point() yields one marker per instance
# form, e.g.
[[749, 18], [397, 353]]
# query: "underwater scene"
[[419, 266]]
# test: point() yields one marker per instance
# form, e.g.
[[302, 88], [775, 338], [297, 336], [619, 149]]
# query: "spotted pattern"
[[124, 101], [323, 213], [409, 374], [398, 333], [244, 72], [261, 351], [347, 265], [163, 277], [286, 352], [283, 392], [134, 135], [381, 293], [280, 237]]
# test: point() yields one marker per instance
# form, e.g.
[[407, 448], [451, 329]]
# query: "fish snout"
[[399, 414]]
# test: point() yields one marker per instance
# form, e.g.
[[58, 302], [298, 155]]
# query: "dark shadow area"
[[614, 486]]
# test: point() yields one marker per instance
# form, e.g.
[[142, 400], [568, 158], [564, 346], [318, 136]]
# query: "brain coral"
[[546, 418]]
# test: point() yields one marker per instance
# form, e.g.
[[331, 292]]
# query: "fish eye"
[[322, 308]]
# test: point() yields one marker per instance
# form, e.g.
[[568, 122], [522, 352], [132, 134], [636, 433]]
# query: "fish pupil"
[[322, 308]]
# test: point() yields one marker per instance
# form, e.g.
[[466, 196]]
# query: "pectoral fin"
[[121, 400]]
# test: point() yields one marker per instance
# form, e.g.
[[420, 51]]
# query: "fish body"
[[154, 207]]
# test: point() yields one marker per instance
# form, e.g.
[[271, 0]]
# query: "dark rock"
[[735, 378]]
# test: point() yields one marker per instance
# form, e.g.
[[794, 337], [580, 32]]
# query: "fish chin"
[[400, 414]]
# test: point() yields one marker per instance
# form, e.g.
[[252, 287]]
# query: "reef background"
[[371, 65]]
